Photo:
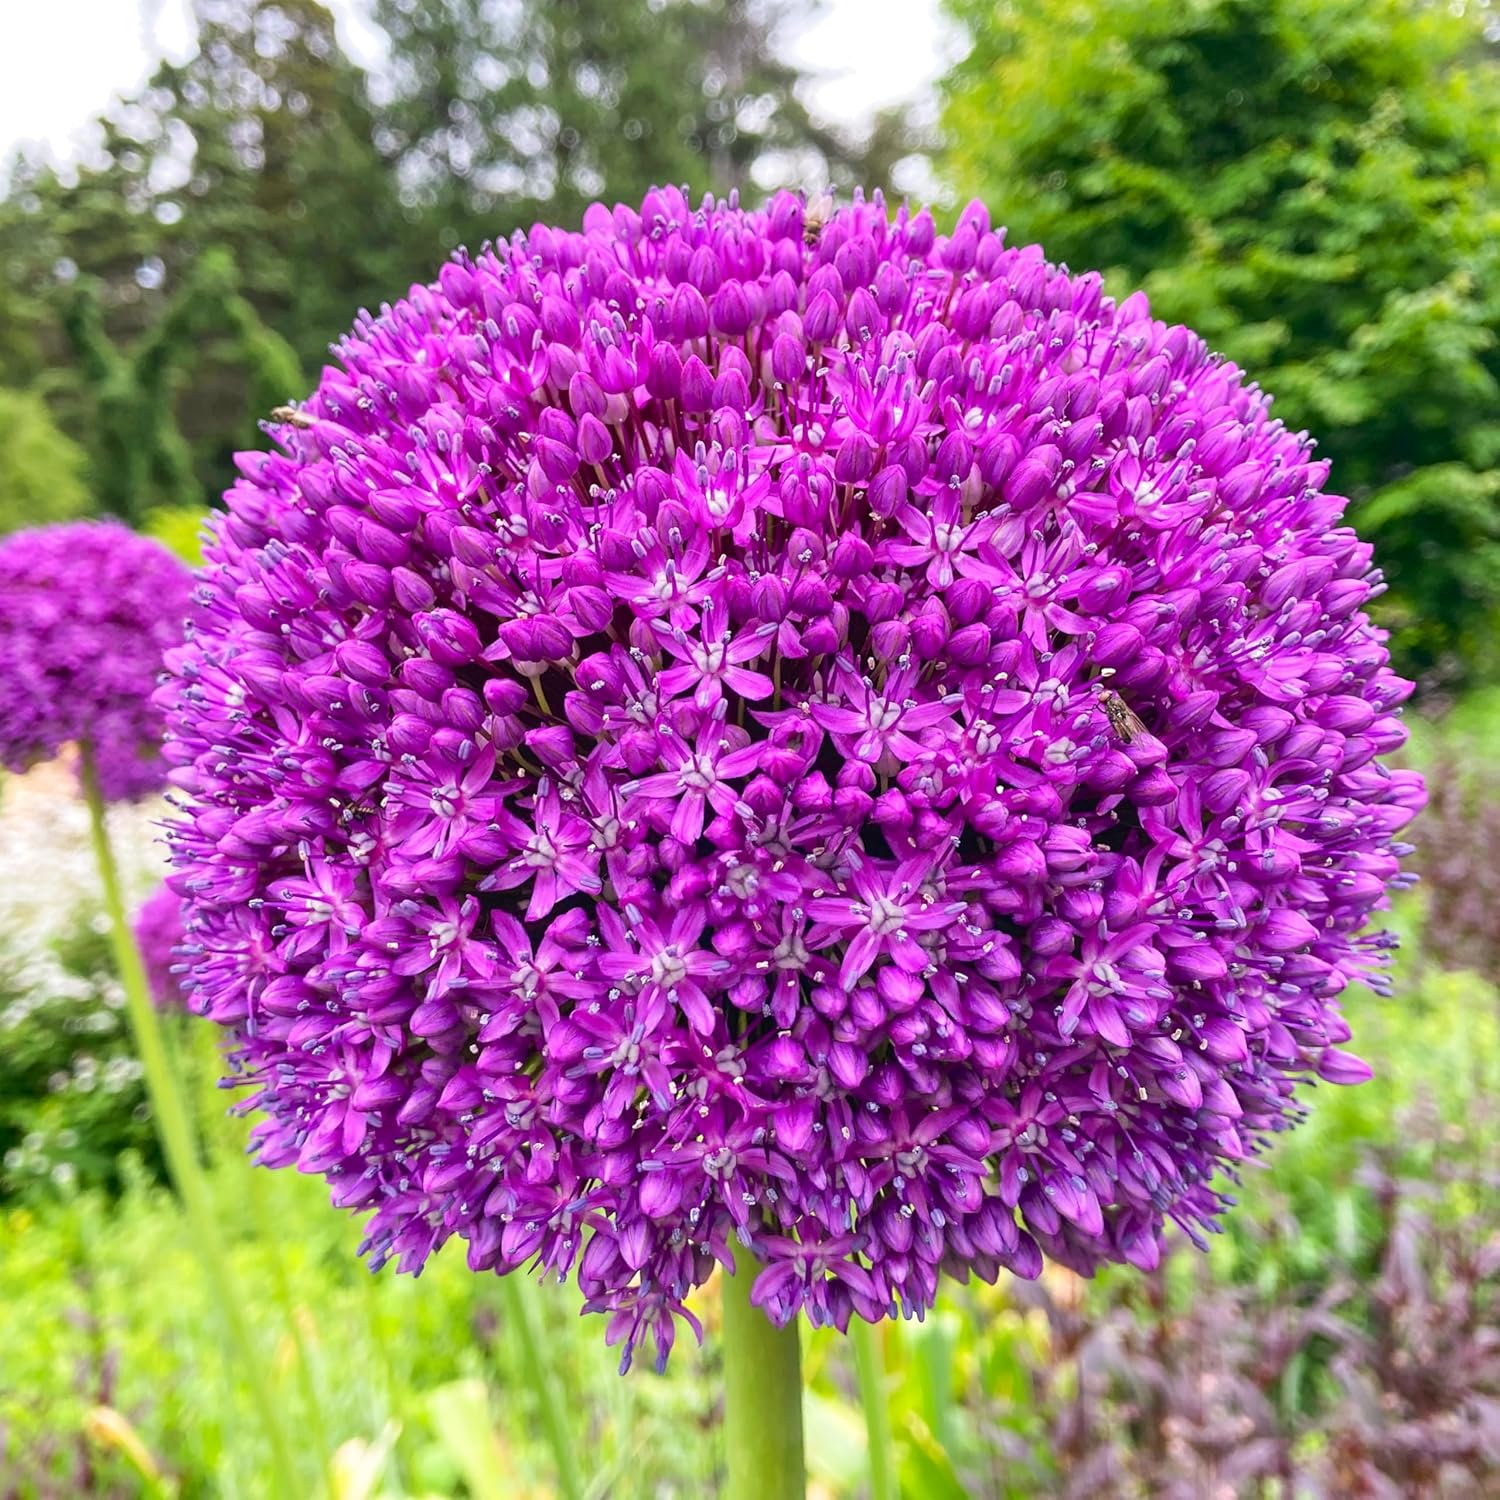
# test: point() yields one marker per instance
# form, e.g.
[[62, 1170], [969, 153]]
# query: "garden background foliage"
[[1311, 184]]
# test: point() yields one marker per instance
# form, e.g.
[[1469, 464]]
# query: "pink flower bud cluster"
[[159, 935]]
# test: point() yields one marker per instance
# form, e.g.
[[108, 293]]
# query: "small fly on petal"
[[1122, 718]]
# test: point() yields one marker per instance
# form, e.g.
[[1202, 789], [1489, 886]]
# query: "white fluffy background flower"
[[47, 869], [48, 883]]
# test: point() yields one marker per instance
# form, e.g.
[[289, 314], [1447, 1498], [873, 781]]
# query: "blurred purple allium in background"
[[158, 935], [844, 740], [86, 611]]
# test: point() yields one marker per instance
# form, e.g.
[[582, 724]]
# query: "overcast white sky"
[[64, 59]]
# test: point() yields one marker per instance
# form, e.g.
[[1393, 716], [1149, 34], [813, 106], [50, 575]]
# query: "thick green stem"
[[178, 1146], [762, 1398], [543, 1381], [869, 1367]]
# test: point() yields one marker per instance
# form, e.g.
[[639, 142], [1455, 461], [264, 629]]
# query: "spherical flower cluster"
[[721, 731], [86, 610], [159, 936]]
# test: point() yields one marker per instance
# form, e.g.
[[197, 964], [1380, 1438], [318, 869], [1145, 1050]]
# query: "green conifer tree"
[[141, 458], [1313, 185]]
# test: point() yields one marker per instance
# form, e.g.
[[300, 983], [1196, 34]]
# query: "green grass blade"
[[869, 1367]]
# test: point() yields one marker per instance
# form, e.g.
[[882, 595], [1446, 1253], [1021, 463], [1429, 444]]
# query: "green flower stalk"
[[762, 1397], [176, 1133], [521, 1312]]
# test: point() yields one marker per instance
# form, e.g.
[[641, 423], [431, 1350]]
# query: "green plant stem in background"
[[176, 1133], [869, 1367], [762, 1397], [203, 1065], [540, 1376]]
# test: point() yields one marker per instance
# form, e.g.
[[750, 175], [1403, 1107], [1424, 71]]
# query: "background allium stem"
[[869, 1365], [172, 1124], [762, 1397]]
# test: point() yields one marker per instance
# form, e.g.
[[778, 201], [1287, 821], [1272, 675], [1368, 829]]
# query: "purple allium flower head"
[[847, 742], [86, 610], [159, 935]]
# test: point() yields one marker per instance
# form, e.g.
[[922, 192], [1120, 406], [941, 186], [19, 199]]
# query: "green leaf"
[[460, 1414], [836, 1451], [926, 1469]]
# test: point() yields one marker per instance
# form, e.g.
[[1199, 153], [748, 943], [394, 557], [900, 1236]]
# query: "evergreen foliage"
[[1312, 185], [504, 115], [43, 472], [142, 459]]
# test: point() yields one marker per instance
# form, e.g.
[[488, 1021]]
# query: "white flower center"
[[667, 968]]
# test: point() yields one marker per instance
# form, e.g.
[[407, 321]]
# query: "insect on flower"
[[291, 416], [1122, 718], [817, 213]]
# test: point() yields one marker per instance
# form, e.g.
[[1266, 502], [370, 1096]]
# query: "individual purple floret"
[[159, 936], [86, 611], [849, 742]]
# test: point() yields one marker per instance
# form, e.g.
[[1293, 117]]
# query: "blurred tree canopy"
[[178, 284], [260, 148], [500, 115], [245, 204], [1312, 185]]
